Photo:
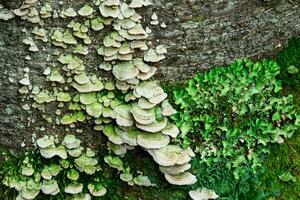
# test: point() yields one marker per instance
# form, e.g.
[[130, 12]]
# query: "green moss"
[[198, 18], [289, 56], [284, 157]]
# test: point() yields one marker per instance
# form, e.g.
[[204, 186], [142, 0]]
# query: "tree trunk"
[[200, 34]]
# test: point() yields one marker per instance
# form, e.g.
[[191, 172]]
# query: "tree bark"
[[200, 34]]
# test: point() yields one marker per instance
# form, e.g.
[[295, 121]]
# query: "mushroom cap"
[[152, 56], [54, 169], [75, 152], [70, 12], [161, 49], [148, 75], [97, 191], [170, 155], [105, 66], [136, 4], [86, 164], [184, 178], [94, 109], [127, 177], [176, 169], [171, 130], [126, 10], [6, 14], [158, 98], [152, 140], [45, 141], [137, 30], [125, 49], [113, 136], [154, 126], [203, 194], [166, 156], [125, 71], [50, 152], [63, 97], [82, 196], [139, 44], [72, 174], [148, 89], [97, 24], [89, 87], [143, 116], [29, 193], [142, 181], [81, 49], [55, 76], [143, 103], [139, 63], [111, 42], [68, 38], [117, 149], [27, 170], [114, 162], [49, 186], [86, 10], [130, 137], [88, 98], [123, 115], [74, 188], [108, 11], [46, 173], [112, 2], [126, 23], [167, 109], [71, 142]]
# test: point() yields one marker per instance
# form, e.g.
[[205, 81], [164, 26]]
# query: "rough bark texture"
[[200, 34]]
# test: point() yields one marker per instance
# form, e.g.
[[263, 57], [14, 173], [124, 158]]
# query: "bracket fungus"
[[96, 190], [50, 187], [114, 162], [203, 194], [86, 11], [71, 142], [184, 178], [130, 110], [142, 181], [112, 135], [74, 188], [175, 169], [152, 140], [69, 12]]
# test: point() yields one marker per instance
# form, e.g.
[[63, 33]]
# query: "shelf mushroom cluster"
[[31, 180], [138, 117]]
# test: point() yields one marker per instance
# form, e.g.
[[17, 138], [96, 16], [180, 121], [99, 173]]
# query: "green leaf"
[[293, 70], [276, 116], [287, 176]]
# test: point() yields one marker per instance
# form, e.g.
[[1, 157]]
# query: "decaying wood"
[[200, 34]]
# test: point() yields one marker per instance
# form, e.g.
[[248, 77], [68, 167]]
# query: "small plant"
[[233, 114], [289, 61], [64, 169]]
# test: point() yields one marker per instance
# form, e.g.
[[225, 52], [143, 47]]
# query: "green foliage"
[[35, 176], [233, 114], [284, 158], [289, 61]]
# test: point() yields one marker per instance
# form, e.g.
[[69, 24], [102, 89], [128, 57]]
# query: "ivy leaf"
[[185, 128], [287, 176], [297, 121], [276, 116], [158, 114], [292, 69]]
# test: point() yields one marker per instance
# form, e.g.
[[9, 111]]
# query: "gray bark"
[[200, 34]]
